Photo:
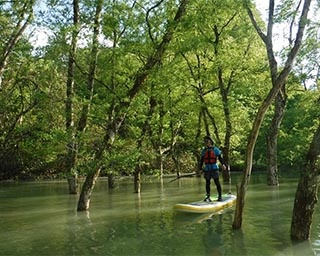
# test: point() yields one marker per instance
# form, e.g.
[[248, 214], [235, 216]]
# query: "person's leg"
[[217, 182], [208, 187], [207, 177]]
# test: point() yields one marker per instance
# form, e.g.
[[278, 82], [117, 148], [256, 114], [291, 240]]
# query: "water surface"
[[40, 218]]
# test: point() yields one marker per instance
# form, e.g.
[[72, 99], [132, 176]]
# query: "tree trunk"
[[82, 123], [278, 80], [226, 148], [176, 164], [204, 111], [87, 188], [137, 181], [242, 186], [110, 180], [142, 74], [146, 129], [272, 138], [224, 92], [71, 167], [73, 184], [72, 175], [161, 159], [83, 119], [306, 194]]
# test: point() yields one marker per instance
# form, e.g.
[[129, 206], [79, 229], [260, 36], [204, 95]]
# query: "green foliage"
[[214, 36], [122, 159], [299, 122]]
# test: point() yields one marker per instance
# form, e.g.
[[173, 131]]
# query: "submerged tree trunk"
[[242, 186], [278, 80], [177, 165], [137, 180], [306, 194], [146, 129], [272, 138], [73, 184], [110, 180], [92, 176], [87, 188]]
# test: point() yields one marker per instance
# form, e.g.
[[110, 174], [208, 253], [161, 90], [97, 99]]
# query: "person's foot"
[[219, 199], [207, 199]]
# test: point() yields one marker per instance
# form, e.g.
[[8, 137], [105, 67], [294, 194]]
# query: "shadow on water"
[[217, 235]]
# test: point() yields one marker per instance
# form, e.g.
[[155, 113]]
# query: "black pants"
[[208, 175]]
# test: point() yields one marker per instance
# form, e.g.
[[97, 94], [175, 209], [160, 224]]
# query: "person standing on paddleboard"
[[208, 156]]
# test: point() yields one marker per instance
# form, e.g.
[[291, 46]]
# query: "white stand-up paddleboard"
[[228, 200]]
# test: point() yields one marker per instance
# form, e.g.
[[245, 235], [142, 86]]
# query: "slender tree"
[[113, 127], [72, 145], [145, 132], [278, 114], [75, 128], [278, 80]]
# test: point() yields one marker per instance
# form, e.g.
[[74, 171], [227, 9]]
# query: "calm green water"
[[40, 218]]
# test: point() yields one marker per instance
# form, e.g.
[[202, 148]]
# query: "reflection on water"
[[41, 219]]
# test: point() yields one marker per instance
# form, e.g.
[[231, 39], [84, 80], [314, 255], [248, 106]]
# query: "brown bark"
[[278, 80], [272, 138], [306, 194]]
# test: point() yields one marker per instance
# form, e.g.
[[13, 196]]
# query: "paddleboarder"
[[208, 156]]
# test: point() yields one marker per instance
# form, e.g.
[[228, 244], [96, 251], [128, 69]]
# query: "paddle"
[[184, 176]]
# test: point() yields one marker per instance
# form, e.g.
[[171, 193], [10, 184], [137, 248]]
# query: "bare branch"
[[147, 19]]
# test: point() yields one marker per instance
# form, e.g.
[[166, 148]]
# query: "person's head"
[[208, 141]]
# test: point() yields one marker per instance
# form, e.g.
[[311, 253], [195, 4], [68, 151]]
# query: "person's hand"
[[224, 167]]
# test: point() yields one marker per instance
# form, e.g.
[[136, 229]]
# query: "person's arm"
[[223, 163], [220, 158]]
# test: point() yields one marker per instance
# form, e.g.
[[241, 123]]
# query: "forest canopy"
[[60, 100]]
